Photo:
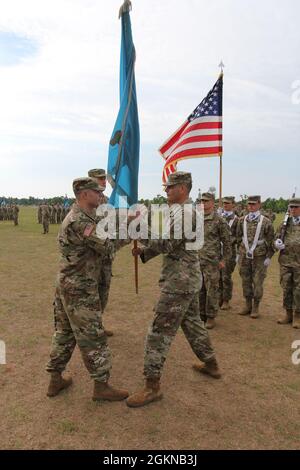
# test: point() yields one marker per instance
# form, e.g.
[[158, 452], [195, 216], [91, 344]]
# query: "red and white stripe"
[[199, 138]]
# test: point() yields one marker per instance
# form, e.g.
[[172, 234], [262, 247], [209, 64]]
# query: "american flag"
[[200, 135]]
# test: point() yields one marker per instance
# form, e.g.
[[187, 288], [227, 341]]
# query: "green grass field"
[[254, 406]]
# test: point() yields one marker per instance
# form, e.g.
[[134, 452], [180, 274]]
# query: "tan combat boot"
[[57, 383], [225, 305], [248, 307], [296, 320], [103, 391], [209, 368], [286, 318], [255, 310], [210, 323], [151, 392], [108, 332]]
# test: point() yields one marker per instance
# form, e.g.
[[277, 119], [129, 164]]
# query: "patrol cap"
[[180, 177], [97, 173], [207, 197], [229, 199], [82, 184], [295, 201], [254, 199]]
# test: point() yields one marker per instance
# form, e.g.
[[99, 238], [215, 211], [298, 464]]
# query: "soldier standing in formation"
[[178, 304], [77, 311], [212, 259], [106, 266], [40, 214], [255, 236], [226, 283], [45, 217], [16, 214], [58, 214], [288, 244]]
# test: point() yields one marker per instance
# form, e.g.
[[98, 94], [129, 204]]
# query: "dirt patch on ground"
[[254, 406]]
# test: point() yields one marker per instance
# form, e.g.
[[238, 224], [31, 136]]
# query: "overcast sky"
[[59, 76]]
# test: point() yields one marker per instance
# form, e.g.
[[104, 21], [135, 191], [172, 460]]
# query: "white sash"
[[231, 221], [250, 251]]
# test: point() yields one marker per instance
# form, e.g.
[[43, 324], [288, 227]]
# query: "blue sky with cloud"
[[59, 63]]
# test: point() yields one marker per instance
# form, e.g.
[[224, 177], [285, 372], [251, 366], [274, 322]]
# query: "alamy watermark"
[[296, 353], [160, 221], [296, 92], [2, 352]]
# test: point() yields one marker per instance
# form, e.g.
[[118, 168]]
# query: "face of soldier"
[[208, 206], [294, 211], [102, 181], [91, 198], [253, 207], [176, 194], [228, 206]]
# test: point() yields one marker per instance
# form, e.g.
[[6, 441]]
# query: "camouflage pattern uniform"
[[253, 271], [40, 214], [10, 213], [53, 214], [226, 284], [77, 307], [216, 231], [289, 260], [58, 214], [16, 214], [178, 304], [269, 213], [107, 261], [45, 217], [1, 212]]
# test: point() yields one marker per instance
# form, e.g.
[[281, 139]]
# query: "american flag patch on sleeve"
[[89, 229]]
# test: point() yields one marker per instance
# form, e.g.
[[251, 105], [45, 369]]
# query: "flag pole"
[[220, 180], [221, 65], [136, 268]]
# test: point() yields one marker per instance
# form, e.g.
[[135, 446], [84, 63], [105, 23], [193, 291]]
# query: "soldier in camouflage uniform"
[[77, 307], [269, 213], [1, 212], [178, 304], [255, 235], [289, 260], [45, 217], [58, 213], [40, 214], [226, 283], [106, 268], [16, 214], [214, 256]]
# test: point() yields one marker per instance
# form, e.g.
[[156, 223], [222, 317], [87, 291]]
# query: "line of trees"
[[34, 201], [276, 205]]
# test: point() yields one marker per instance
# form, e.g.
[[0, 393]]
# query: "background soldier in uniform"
[[77, 311], [226, 284], [40, 214], [45, 217], [16, 214], [106, 267], [289, 260], [216, 232], [178, 303], [255, 236], [58, 214]]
